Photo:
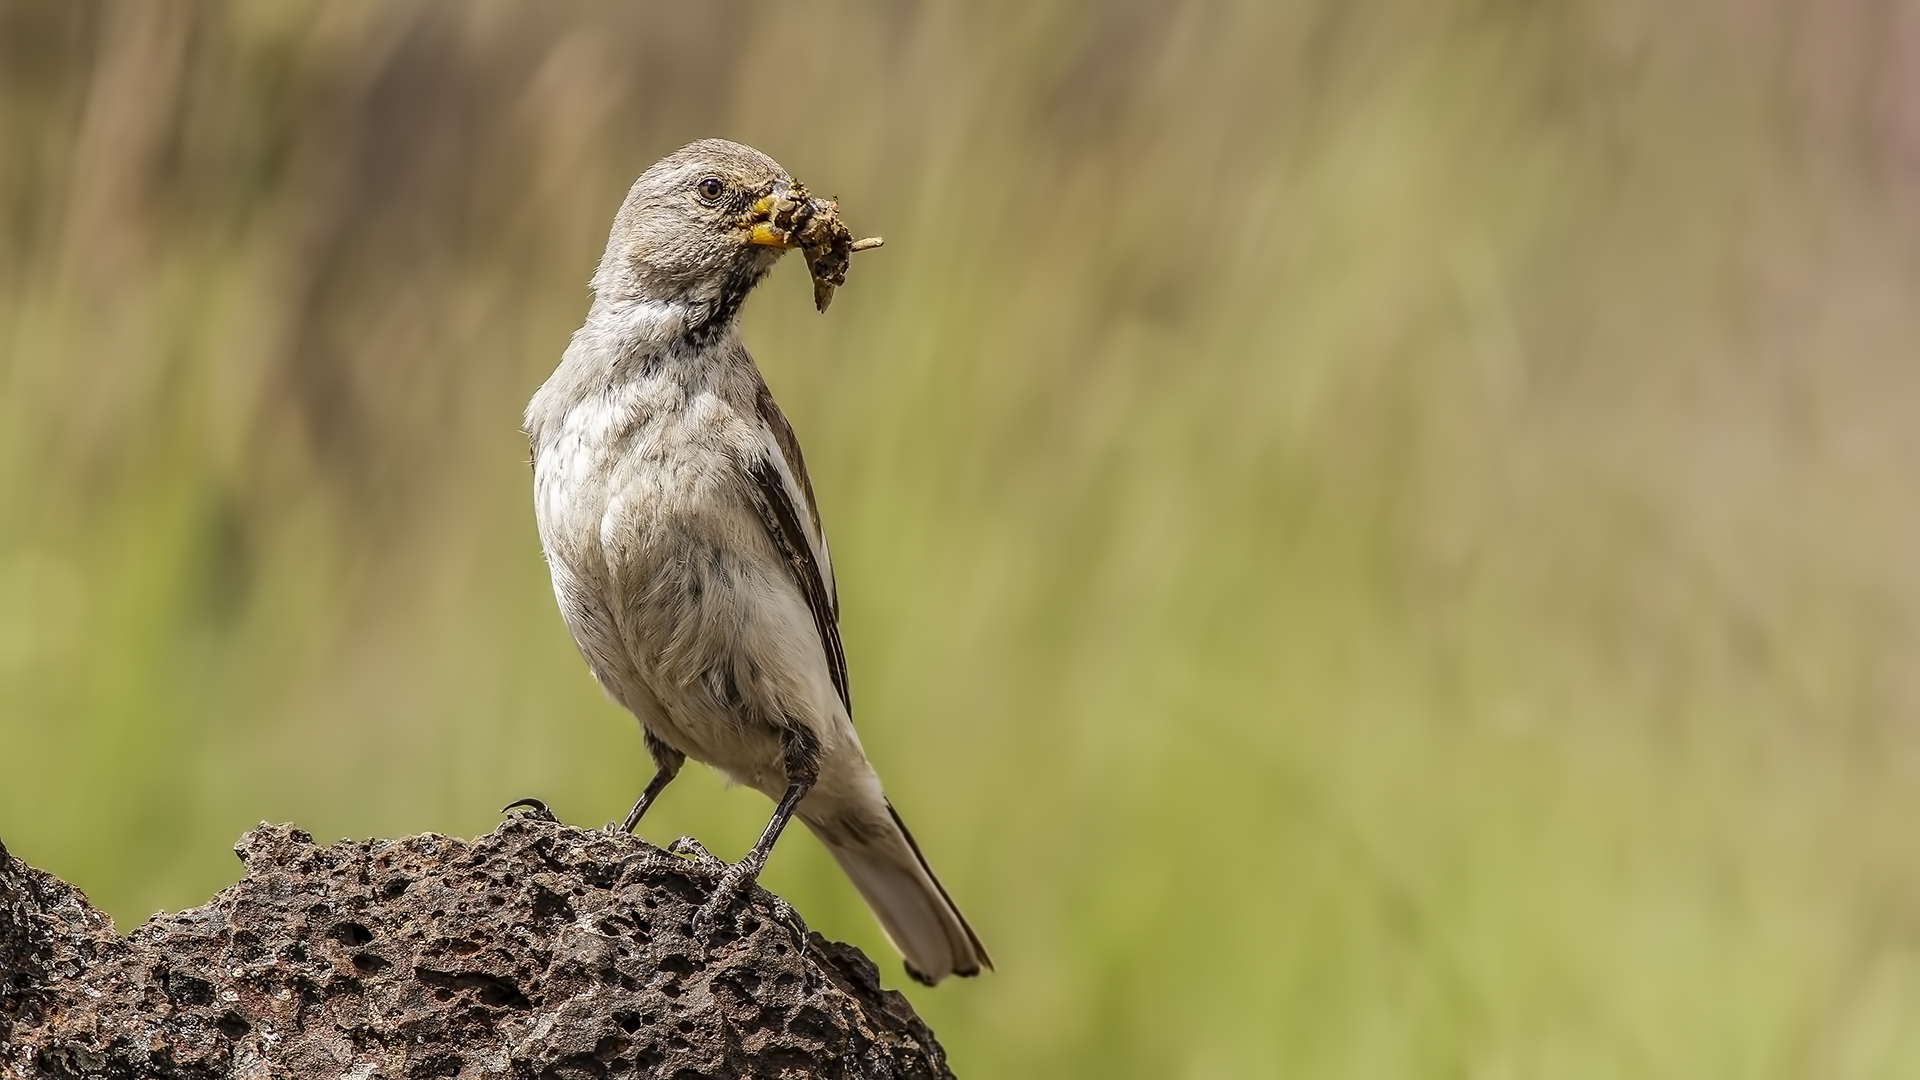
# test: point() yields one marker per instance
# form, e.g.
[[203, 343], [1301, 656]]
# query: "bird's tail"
[[918, 916]]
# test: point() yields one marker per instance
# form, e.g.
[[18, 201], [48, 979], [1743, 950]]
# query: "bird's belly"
[[681, 605], [723, 641]]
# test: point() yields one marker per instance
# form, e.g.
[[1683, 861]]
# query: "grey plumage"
[[686, 549]]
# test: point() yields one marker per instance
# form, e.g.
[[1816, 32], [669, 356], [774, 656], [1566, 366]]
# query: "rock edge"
[[533, 951]]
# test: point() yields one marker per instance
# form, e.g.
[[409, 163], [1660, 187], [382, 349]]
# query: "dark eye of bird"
[[711, 188]]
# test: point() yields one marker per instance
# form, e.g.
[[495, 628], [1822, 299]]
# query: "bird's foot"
[[732, 886], [735, 881], [538, 808]]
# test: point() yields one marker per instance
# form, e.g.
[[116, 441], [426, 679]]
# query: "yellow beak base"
[[769, 235]]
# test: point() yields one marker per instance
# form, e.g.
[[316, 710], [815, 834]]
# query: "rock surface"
[[533, 951]]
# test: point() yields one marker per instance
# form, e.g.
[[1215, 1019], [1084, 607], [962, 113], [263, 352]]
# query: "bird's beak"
[[767, 234], [778, 216]]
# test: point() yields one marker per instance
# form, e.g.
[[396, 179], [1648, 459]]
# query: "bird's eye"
[[711, 188]]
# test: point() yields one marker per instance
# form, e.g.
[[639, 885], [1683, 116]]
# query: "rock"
[[538, 950]]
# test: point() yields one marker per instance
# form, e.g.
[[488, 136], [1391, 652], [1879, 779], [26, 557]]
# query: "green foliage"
[[1376, 542]]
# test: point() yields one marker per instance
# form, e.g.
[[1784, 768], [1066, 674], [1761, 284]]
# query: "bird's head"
[[700, 229]]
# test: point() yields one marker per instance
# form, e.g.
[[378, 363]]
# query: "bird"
[[685, 544]]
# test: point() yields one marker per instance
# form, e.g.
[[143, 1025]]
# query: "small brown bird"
[[685, 547]]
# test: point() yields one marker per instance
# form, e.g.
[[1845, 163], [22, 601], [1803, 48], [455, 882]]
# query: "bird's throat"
[[719, 314]]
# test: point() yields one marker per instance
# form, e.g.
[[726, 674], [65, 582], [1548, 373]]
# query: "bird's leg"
[[803, 769], [666, 766]]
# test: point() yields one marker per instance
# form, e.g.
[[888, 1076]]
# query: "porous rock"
[[538, 950]]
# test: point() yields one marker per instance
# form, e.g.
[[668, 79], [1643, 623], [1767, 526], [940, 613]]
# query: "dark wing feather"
[[789, 531]]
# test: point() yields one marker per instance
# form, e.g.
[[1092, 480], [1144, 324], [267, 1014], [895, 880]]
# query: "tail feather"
[[913, 908]]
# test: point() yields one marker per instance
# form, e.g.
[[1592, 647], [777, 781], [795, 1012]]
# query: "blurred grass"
[[1375, 541]]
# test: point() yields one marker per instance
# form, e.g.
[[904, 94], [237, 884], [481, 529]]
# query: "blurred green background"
[[1376, 540]]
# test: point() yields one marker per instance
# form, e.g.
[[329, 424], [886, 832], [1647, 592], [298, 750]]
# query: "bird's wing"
[[784, 498]]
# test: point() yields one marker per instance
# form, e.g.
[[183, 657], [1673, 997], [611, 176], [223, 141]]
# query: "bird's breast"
[[667, 577], [633, 465]]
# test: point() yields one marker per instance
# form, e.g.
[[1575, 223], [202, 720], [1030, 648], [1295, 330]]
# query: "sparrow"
[[685, 545]]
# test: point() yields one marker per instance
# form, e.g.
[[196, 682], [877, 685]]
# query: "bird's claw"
[[785, 913], [688, 848], [539, 809]]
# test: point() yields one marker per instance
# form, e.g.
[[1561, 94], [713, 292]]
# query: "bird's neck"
[[650, 306], [641, 323], [631, 358], [643, 339]]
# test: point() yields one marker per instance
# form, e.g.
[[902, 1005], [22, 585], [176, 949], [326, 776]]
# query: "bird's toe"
[[688, 848]]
